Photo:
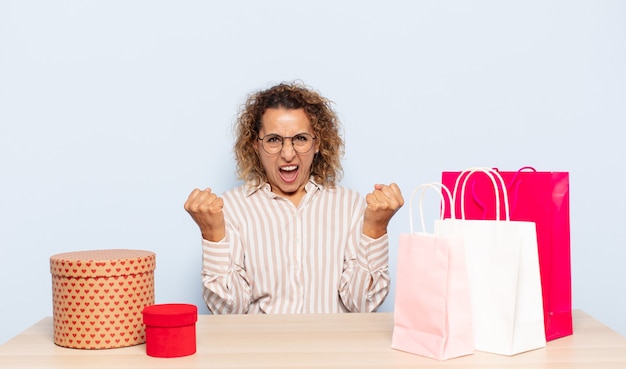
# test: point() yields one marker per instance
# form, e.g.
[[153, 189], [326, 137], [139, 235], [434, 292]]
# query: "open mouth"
[[288, 173]]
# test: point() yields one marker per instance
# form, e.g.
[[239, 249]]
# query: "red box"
[[98, 297], [170, 329]]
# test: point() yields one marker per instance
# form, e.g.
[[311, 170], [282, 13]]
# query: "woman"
[[290, 240]]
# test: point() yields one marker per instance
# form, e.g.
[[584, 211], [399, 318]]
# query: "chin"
[[289, 189]]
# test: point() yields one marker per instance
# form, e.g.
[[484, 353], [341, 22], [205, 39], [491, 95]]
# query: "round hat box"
[[98, 297], [170, 329]]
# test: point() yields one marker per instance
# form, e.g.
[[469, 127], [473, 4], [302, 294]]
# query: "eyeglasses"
[[301, 143]]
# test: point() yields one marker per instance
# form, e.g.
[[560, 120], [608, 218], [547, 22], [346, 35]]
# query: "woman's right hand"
[[205, 208]]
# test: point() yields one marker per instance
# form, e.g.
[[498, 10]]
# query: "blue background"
[[111, 112]]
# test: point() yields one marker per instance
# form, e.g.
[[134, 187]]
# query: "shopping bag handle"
[[512, 188], [492, 174], [440, 188]]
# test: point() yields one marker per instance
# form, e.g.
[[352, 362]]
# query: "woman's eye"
[[273, 139], [300, 138]]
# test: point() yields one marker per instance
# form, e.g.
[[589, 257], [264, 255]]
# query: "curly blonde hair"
[[326, 168]]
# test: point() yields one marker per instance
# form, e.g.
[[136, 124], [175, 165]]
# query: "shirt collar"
[[266, 188]]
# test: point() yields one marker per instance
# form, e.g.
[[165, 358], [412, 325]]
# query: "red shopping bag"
[[543, 198]]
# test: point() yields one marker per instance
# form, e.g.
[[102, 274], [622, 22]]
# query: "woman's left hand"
[[382, 204]]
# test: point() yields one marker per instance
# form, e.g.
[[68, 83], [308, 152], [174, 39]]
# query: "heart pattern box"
[[98, 297]]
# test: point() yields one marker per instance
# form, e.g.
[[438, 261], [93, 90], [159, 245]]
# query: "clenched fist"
[[205, 208], [382, 204]]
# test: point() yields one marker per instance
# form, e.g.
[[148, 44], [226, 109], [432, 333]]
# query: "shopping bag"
[[543, 198], [503, 269], [432, 315]]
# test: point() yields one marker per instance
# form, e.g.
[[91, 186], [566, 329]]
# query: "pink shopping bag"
[[432, 314], [543, 198]]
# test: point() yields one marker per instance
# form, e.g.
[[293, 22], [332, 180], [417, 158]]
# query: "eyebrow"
[[299, 133]]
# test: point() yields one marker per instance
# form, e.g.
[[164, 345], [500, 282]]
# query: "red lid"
[[170, 315]]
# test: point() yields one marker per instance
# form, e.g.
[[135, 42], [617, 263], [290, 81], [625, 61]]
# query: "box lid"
[[170, 315], [102, 263]]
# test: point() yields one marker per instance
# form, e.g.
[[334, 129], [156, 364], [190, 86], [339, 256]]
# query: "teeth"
[[289, 168]]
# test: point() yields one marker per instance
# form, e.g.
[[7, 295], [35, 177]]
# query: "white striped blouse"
[[277, 258]]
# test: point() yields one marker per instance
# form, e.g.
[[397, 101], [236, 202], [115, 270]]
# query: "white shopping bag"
[[503, 268]]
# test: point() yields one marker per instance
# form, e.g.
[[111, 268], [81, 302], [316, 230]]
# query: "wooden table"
[[311, 341]]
